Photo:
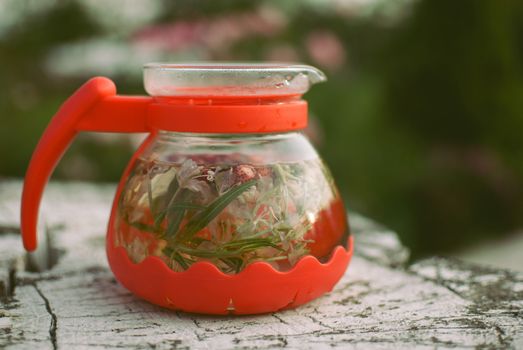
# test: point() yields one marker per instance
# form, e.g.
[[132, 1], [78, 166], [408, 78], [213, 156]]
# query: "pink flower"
[[215, 34], [325, 49]]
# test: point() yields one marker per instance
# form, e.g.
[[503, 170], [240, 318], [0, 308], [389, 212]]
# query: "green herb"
[[150, 196], [143, 227], [270, 224], [168, 199], [204, 217], [175, 213], [235, 264], [177, 257], [232, 249]]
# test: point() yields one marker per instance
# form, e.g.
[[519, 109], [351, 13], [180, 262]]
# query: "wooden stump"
[[64, 296]]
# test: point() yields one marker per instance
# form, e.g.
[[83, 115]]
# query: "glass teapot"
[[225, 207]]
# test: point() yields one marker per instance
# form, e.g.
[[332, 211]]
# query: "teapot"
[[226, 207]]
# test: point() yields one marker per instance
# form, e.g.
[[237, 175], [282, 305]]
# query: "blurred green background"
[[421, 120]]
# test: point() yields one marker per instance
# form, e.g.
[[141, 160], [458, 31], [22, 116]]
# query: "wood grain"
[[381, 303]]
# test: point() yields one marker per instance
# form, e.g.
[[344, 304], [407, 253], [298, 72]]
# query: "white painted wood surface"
[[381, 303]]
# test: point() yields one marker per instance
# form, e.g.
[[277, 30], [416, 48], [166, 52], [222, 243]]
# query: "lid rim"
[[241, 66], [230, 78]]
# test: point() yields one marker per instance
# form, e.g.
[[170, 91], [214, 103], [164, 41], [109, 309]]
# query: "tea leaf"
[[204, 217], [166, 201], [142, 227], [177, 257], [235, 264], [186, 206], [175, 213], [229, 250], [248, 242], [150, 195]]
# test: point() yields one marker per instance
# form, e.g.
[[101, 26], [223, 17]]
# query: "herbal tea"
[[229, 212], [225, 182]]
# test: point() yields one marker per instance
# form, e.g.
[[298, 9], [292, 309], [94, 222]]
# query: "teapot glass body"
[[230, 200]]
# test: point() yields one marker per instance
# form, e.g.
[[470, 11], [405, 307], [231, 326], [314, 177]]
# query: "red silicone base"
[[259, 288]]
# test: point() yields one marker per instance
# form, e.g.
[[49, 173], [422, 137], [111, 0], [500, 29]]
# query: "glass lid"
[[229, 79]]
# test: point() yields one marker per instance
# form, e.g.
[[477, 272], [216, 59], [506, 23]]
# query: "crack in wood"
[[472, 288], [196, 323], [8, 229], [281, 320], [482, 295], [317, 321], [54, 320], [8, 283], [48, 276], [437, 280], [199, 336]]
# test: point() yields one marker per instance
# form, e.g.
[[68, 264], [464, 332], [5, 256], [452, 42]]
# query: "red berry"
[[244, 173]]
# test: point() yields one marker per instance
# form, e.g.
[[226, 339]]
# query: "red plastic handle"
[[93, 107]]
